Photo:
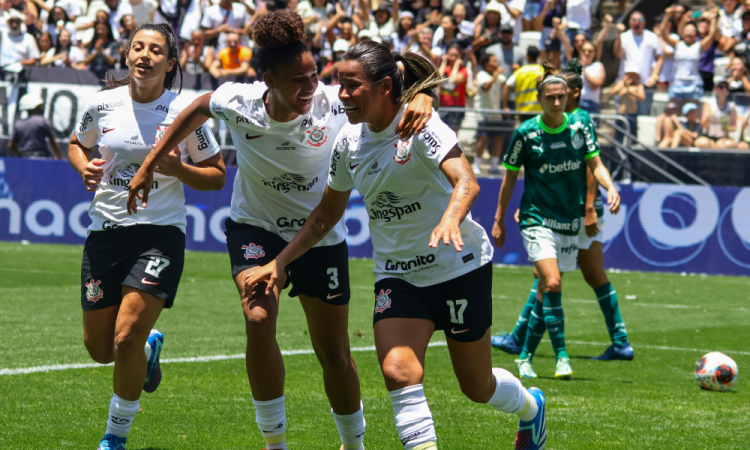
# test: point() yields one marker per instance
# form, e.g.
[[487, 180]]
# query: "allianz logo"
[[567, 166]]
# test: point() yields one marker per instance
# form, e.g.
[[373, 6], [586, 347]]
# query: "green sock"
[[554, 318], [534, 332], [611, 309], [523, 320]]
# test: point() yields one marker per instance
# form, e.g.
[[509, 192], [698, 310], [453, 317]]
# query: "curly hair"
[[280, 36]]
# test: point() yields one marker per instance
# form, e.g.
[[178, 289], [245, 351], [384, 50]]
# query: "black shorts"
[[146, 257], [322, 272], [483, 131], [461, 307]]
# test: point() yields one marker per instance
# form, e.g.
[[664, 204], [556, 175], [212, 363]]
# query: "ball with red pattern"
[[716, 372]]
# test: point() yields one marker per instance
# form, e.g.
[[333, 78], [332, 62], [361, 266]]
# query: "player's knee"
[[553, 284], [398, 374], [125, 340], [595, 279], [103, 354], [259, 321], [478, 391], [334, 360]]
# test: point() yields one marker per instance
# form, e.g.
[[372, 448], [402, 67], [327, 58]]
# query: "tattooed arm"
[[456, 168], [323, 218]]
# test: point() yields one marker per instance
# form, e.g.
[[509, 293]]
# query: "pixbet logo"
[[109, 106]]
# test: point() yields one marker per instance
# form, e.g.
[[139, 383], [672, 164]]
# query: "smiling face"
[[553, 98], [587, 54], [294, 84], [362, 98], [459, 13], [64, 39], [148, 58], [689, 34], [578, 41]]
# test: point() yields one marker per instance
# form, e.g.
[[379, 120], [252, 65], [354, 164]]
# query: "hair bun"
[[278, 29], [575, 66]]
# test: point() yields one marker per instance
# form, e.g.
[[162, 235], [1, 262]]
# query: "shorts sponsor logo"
[[567, 166], [290, 182], [403, 155], [555, 225], [109, 106], [534, 247], [202, 141], [93, 292], [514, 153], [286, 146], [123, 176], [374, 170], [107, 225], [317, 136], [382, 301], [578, 141], [85, 122], [289, 225], [420, 261], [454, 331], [167, 109], [151, 283], [557, 145], [569, 250], [385, 207], [253, 251]]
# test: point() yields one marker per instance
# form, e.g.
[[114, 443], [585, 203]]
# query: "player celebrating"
[[590, 252], [284, 130], [420, 285], [132, 264], [552, 150]]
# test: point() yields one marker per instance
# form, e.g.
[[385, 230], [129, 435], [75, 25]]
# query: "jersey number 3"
[[457, 318], [156, 265]]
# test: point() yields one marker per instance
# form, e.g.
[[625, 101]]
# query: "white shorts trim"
[[544, 243], [584, 241]]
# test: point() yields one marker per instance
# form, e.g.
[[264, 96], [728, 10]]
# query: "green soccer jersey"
[[554, 163], [581, 120]]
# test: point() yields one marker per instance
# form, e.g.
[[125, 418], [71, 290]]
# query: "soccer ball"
[[716, 371]]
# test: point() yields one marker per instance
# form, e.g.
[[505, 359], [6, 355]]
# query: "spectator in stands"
[[401, 38], [578, 18], [739, 86], [30, 14], [666, 125], [531, 10], [422, 43], [446, 33], [509, 56], [523, 81], [184, 16], [72, 9], [340, 26], [726, 24], [640, 47], [593, 77], [678, 12], [718, 119], [465, 27], [197, 57], [453, 92], [143, 10], [115, 10], [579, 38], [382, 22], [103, 51], [58, 20], [630, 91], [30, 135], [688, 130], [127, 27], [17, 48], [706, 64], [667, 68], [232, 60], [687, 83], [312, 12], [550, 17], [86, 32], [489, 82], [742, 46], [223, 18], [330, 73], [64, 53], [489, 27], [44, 43]]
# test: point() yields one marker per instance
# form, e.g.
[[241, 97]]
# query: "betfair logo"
[[567, 166]]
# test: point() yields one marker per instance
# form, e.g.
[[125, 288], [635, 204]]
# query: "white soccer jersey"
[[283, 167], [125, 132], [406, 195]]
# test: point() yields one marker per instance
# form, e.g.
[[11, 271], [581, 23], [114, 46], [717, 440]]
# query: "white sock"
[[121, 413], [477, 161], [494, 160], [511, 397], [271, 419], [413, 418], [351, 429]]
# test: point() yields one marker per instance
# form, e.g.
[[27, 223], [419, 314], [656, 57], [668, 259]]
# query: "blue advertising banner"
[[660, 227]]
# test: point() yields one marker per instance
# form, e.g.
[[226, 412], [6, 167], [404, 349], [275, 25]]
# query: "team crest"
[[576, 223], [403, 155], [94, 292], [317, 137], [382, 301], [253, 251], [160, 132], [577, 140]]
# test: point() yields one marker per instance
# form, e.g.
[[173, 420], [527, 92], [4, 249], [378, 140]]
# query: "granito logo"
[[385, 207], [286, 146], [567, 166], [107, 225], [418, 261], [290, 182], [289, 226], [202, 141], [123, 176], [109, 106], [167, 109], [85, 121]]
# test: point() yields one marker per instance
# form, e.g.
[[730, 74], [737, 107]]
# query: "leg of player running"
[[265, 365], [513, 342], [591, 262], [401, 345], [329, 334], [99, 333]]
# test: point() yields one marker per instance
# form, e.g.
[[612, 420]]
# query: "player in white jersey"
[[284, 131], [418, 192], [132, 263]]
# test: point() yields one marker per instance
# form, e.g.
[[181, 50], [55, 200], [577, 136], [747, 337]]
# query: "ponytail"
[[572, 74], [418, 75]]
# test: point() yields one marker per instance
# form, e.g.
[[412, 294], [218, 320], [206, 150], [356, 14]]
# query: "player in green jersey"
[[590, 252], [552, 153]]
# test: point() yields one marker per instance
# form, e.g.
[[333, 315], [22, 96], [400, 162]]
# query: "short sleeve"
[[592, 143], [340, 179], [482, 78], [201, 144], [226, 100], [87, 131], [514, 156], [435, 140]]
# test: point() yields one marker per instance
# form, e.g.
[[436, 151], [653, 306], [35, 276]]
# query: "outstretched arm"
[[602, 176]]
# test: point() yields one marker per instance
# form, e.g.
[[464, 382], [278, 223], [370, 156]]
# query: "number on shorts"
[[156, 265], [457, 318], [334, 273]]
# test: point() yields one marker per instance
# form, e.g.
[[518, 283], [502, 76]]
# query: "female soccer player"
[[420, 285], [590, 252], [284, 131], [132, 264], [553, 151]]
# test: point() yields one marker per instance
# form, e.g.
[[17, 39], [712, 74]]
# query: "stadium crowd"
[[696, 59]]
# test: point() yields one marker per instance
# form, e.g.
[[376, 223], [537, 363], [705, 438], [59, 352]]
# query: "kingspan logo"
[[567, 166], [386, 207], [419, 261], [123, 177], [290, 182]]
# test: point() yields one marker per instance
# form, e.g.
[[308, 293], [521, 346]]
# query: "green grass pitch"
[[651, 402]]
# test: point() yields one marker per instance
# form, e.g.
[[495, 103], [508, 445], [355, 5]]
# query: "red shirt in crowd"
[[454, 94]]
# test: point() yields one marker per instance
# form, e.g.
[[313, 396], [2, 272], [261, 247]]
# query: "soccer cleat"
[[623, 352], [532, 435], [153, 371], [112, 442], [525, 369], [507, 343], [563, 369]]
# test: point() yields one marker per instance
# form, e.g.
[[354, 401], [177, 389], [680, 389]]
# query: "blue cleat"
[[153, 371], [532, 435], [507, 343], [112, 442], [623, 352]]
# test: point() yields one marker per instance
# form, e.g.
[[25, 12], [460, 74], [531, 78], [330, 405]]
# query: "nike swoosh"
[[248, 137], [334, 296], [453, 330], [148, 282], [107, 130], [353, 166]]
